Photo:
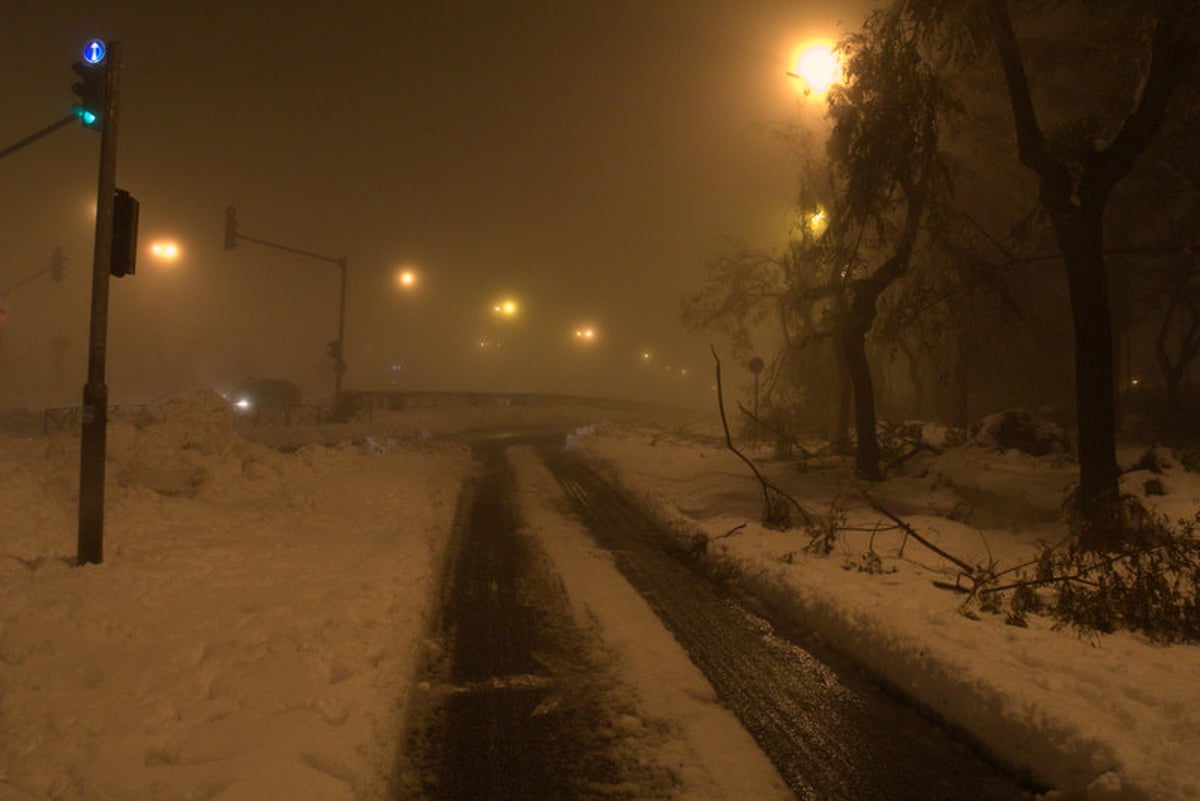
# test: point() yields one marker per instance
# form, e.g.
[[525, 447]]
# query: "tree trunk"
[[915, 377], [842, 397], [962, 396], [1076, 206], [1174, 370], [866, 452], [1080, 238]]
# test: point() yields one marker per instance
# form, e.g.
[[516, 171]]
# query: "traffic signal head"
[[231, 226], [91, 93], [334, 350], [123, 260]]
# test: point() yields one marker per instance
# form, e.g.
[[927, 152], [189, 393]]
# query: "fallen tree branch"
[[909, 531], [771, 514], [1080, 575], [789, 439], [731, 532]]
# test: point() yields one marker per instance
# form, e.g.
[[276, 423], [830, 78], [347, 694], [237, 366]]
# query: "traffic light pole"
[[29, 140], [339, 365], [94, 432]]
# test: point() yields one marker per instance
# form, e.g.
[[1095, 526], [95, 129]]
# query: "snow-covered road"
[[255, 627]]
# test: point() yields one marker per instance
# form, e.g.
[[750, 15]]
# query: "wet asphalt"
[[509, 717]]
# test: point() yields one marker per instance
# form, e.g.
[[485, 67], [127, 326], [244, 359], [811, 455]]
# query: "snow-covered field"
[[253, 630], [253, 625]]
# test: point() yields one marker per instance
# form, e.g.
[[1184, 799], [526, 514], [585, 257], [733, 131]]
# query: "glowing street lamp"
[[165, 251], [818, 67], [506, 308], [585, 334], [818, 221], [407, 279]]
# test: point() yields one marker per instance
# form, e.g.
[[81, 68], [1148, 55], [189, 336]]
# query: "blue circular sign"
[[94, 51]]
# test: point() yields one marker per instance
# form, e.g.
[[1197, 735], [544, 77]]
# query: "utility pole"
[[94, 432], [336, 348]]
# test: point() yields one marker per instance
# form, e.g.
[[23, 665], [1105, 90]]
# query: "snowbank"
[[1112, 718], [251, 632]]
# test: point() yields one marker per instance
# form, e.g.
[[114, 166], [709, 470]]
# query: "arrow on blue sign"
[[94, 51]]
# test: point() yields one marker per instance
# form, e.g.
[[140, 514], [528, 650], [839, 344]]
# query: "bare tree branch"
[[767, 487]]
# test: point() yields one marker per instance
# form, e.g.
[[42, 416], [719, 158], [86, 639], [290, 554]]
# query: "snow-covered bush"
[[899, 442], [1022, 430], [1152, 585]]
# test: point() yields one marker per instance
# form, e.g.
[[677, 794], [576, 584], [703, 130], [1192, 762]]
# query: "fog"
[[583, 159]]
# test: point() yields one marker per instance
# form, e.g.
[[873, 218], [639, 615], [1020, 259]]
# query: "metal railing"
[[70, 418], [356, 406]]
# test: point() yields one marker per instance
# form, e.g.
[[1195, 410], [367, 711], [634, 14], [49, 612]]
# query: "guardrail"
[[302, 415], [68, 418], [410, 399], [355, 406]]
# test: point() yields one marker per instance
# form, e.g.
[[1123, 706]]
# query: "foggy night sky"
[[585, 157]]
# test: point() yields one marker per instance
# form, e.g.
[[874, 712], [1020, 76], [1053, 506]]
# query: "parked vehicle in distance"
[[265, 393]]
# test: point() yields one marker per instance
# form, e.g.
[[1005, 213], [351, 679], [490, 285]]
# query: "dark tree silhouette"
[[884, 145], [1077, 169]]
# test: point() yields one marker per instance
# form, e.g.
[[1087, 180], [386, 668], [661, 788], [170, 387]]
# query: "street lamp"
[[164, 251], [506, 308], [817, 222], [818, 67], [407, 279]]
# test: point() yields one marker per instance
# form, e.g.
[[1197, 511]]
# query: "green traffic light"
[[92, 94]]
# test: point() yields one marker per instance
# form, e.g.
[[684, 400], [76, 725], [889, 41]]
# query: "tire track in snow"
[[831, 735]]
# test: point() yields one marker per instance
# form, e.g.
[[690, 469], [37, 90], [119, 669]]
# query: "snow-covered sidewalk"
[[1112, 718], [251, 632], [683, 726]]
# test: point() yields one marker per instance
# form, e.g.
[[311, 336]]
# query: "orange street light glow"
[[406, 279], [164, 251], [818, 67], [818, 222]]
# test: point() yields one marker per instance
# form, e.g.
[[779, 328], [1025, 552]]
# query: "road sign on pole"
[[94, 51], [95, 392]]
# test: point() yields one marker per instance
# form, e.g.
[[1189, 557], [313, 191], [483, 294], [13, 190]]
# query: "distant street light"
[[406, 279], [164, 251], [506, 308], [585, 334]]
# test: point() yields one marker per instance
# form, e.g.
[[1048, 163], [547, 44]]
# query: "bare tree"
[[1077, 165], [786, 297]]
